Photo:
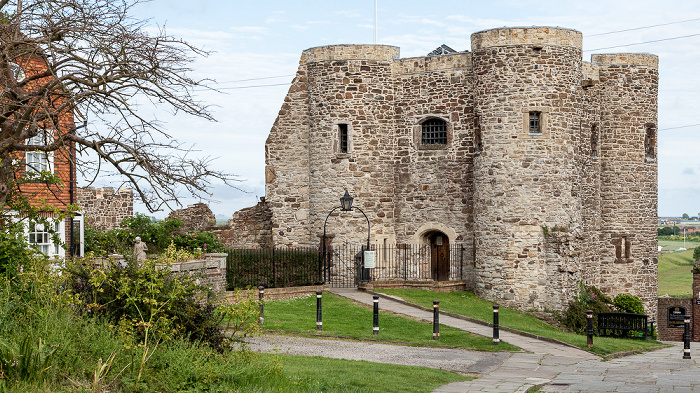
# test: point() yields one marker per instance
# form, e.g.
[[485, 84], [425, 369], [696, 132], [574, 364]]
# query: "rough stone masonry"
[[542, 165]]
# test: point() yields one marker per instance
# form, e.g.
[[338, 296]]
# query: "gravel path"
[[458, 360]]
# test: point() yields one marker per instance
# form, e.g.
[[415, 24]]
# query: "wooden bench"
[[619, 323]]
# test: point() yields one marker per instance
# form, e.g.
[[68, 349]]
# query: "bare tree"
[[103, 64]]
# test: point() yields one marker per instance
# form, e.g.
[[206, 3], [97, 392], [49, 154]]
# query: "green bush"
[[14, 250], [588, 298], [696, 254], [156, 234], [629, 303], [148, 303]]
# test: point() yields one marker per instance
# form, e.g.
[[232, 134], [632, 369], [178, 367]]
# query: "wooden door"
[[440, 256]]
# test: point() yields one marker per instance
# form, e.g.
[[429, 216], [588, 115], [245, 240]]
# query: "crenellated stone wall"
[[537, 212], [104, 208]]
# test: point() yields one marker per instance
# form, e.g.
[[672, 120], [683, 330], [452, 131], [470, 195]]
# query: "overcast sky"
[[256, 47]]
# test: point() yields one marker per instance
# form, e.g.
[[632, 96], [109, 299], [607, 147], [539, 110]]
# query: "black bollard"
[[589, 322], [261, 294], [496, 334], [686, 336], [319, 321], [436, 320], [375, 320]]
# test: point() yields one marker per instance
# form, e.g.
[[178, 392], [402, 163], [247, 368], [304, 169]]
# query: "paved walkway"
[[552, 367]]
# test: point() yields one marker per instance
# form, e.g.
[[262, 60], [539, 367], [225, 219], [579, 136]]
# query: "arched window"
[[434, 132]]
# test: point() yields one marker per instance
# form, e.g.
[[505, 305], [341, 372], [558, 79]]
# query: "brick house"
[[51, 199]]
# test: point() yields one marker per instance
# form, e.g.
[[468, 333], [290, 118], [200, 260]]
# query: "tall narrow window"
[[594, 141], [477, 140], [343, 135], [40, 161], [650, 141], [434, 132], [535, 123]]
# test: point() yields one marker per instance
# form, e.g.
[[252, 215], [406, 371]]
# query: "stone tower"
[[541, 167], [527, 83]]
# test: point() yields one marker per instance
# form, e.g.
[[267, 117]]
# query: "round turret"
[[526, 82]]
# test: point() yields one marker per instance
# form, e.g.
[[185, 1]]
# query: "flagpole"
[[375, 22]]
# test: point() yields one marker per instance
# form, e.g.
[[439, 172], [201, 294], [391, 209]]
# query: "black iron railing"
[[273, 267]]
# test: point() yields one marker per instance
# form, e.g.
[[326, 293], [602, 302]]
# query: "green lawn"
[[670, 245], [338, 375], [467, 304], [675, 276], [345, 318]]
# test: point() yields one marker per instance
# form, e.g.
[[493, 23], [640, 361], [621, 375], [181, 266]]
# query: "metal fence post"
[[496, 334], [686, 336], [261, 294], [375, 320], [436, 320], [589, 322], [319, 321]]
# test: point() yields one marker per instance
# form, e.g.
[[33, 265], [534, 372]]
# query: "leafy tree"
[[104, 65], [665, 231], [686, 216]]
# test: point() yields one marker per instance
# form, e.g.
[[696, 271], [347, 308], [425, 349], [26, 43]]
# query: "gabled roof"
[[442, 50]]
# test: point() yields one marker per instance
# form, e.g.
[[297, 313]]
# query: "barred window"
[[535, 123], [434, 132], [343, 135]]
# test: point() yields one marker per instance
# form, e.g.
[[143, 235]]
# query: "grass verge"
[[469, 305], [344, 318], [339, 375], [675, 275]]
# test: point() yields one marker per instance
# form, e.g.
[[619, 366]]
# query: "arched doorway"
[[439, 256]]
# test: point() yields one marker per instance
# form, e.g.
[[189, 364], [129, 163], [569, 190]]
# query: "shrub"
[[629, 303], [156, 234], [148, 303], [696, 254], [588, 298], [14, 250]]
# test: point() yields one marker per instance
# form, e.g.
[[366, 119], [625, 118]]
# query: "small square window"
[[434, 132]]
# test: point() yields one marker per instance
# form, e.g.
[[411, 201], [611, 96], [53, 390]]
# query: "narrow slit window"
[[535, 123], [477, 136], [650, 142], [594, 141], [434, 132], [343, 135]]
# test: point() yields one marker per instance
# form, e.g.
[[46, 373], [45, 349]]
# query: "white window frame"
[[38, 161], [39, 237]]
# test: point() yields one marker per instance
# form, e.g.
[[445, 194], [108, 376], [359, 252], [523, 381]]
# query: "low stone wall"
[[212, 267], [435, 286]]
